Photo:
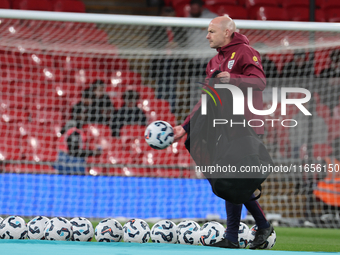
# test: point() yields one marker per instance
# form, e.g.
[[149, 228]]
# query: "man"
[[298, 67], [166, 70], [298, 135], [329, 85], [129, 113], [240, 65], [81, 110], [198, 11], [102, 107], [197, 65], [73, 151]]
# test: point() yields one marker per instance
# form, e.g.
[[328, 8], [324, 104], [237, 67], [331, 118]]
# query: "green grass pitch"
[[299, 239], [295, 239]]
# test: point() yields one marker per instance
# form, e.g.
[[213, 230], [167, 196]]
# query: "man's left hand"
[[224, 77]]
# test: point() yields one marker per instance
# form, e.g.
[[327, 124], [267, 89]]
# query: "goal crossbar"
[[165, 21]]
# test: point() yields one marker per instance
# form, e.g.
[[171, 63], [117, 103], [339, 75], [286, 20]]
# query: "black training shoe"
[[225, 243], [261, 237]]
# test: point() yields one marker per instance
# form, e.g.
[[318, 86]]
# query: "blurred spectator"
[[80, 111], [329, 86], [298, 67], [129, 113], [333, 71], [101, 109], [166, 37], [73, 151], [167, 69], [197, 40], [197, 36], [269, 67], [198, 11], [298, 135]]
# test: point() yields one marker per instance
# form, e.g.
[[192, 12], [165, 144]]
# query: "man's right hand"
[[179, 133]]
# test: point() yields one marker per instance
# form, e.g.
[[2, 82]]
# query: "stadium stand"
[[37, 5], [268, 13], [5, 4], [294, 3], [59, 78], [68, 6]]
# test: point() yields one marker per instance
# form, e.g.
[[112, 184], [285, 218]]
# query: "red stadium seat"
[[10, 73], [37, 60], [320, 16], [182, 10], [69, 90], [8, 87], [254, 3], [29, 168], [323, 111], [110, 63], [321, 151], [57, 35], [132, 131], [13, 58], [332, 14], [221, 2], [117, 102], [92, 63], [14, 115], [37, 5], [31, 89], [94, 35], [295, 3], [101, 136], [41, 143], [10, 146], [48, 75], [175, 3], [120, 78], [328, 4], [298, 13], [68, 6], [242, 3], [84, 77], [47, 116], [333, 129], [236, 12], [116, 92], [157, 109], [336, 112], [47, 102], [16, 31], [5, 4], [10, 59], [13, 101], [145, 92], [268, 13]]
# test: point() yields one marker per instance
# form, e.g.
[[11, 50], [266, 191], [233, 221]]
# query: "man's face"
[[196, 10], [87, 101], [217, 36], [99, 91]]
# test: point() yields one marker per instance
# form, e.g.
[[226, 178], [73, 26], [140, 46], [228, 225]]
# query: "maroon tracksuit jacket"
[[245, 68]]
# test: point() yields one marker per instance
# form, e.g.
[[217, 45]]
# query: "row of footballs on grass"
[[135, 230]]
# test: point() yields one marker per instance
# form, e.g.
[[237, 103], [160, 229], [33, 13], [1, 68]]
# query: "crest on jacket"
[[231, 63]]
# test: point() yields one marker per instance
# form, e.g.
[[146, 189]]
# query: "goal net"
[[108, 79]]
